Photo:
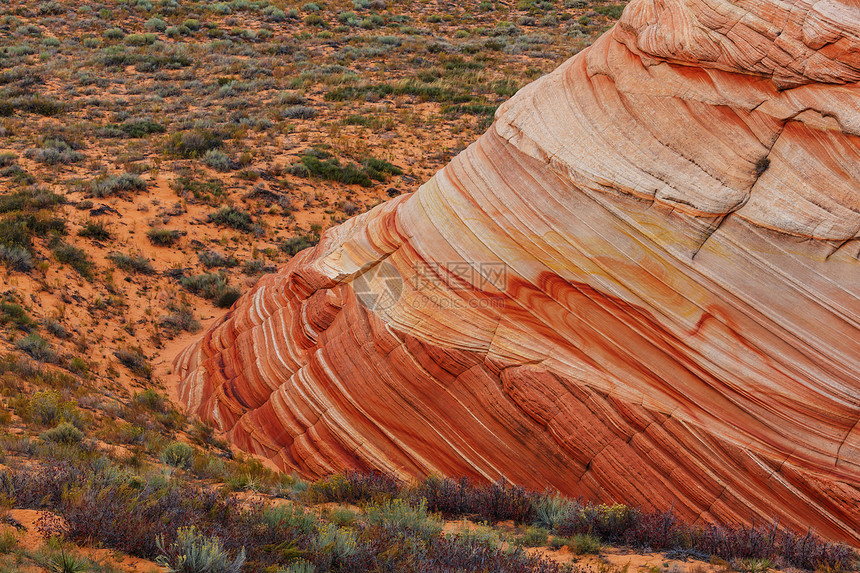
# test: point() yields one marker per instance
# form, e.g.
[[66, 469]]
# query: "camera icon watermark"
[[430, 285], [380, 287]]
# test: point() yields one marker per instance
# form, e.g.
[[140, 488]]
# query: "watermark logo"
[[382, 286], [460, 276]]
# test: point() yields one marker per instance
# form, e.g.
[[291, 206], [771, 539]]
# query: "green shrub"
[[584, 543], [192, 552], [551, 510], [342, 516], [61, 561], [39, 105], [133, 359], [214, 259], [232, 217], [53, 151], [180, 318], [65, 433], [155, 25], [298, 112], [75, 258], [95, 230], [113, 184], [140, 39], [8, 541], [337, 542], [16, 315], [401, 515], [48, 408], [218, 160], [195, 143], [151, 400], [114, 34], [332, 170], [299, 566], [16, 258], [178, 455], [610, 10], [535, 536], [37, 347], [138, 128], [132, 263], [163, 237]]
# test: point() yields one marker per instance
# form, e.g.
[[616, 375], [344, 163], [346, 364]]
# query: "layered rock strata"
[[641, 284]]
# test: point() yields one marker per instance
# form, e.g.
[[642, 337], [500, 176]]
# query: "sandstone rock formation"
[[641, 284]]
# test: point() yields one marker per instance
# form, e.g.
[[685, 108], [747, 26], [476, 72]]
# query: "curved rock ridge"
[[641, 284]]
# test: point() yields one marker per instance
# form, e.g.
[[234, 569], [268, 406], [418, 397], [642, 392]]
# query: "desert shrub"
[[55, 558], [48, 408], [12, 313], [140, 39], [151, 400], [212, 286], [37, 347], [218, 160], [379, 169], [64, 433], [163, 237], [334, 545], [192, 552], [194, 143], [114, 34], [332, 170], [550, 510], [127, 512], [253, 266], [294, 245], [54, 151], [54, 327], [354, 487], [132, 263], [535, 536], [583, 543], [134, 359], [214, 259], [113, 184], [342, 516], [16, 258], [232, 217], [400, 515], [178, 455], [74, 257], [209, 191], [29, 199], [39, 105], [493, 502], [299, 566], [155, 25], [138, 128], [181, 317], [96, 230], [298, 112], [610, 10], [8, 541]]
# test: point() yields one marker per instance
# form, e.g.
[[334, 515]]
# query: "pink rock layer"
[[640, 285]]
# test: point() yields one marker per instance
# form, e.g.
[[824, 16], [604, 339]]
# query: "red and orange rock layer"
[[641, 284]]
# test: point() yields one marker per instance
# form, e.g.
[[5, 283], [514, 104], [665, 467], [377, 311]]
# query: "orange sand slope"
[[641, 284]]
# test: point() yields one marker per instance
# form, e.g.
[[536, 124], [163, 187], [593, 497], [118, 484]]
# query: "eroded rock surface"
[[641, 284]]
